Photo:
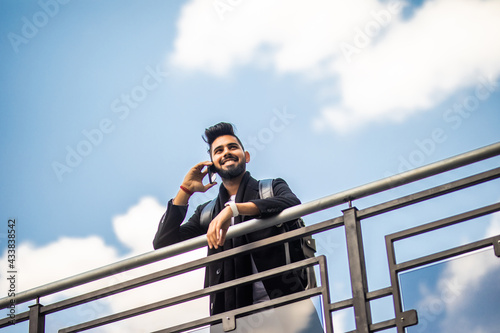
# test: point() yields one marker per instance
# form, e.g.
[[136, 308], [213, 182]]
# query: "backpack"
[[295, 250]]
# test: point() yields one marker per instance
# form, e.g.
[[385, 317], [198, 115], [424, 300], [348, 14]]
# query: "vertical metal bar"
[[357, 268], [327, 314], [396, 295], [37, 320]]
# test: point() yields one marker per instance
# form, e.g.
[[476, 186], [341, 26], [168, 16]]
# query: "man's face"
[[228, 157]]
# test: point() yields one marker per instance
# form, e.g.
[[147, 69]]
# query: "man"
[[238, 201]]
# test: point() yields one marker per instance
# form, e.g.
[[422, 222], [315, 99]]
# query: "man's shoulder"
[[274, 182], [202, 206], [205, 212]]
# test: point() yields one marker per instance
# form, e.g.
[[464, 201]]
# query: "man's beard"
[[233, 172]]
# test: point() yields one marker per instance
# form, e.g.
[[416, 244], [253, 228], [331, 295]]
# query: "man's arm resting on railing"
[[170, 230], [283, 198]]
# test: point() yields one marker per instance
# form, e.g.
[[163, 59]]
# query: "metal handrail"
[[258, 224]]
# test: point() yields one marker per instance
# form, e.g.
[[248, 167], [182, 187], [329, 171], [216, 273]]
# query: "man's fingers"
[[201, 165], [209, 185], [217, 232], [222, 238], [211, 240]]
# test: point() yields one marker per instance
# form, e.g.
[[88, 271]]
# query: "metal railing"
[[350, 219]]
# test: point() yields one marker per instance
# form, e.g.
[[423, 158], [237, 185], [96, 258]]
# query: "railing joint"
[[496, 246], [407, 318], [229, 323]]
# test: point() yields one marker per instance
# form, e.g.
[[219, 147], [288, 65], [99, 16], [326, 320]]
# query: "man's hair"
[[220, 129]]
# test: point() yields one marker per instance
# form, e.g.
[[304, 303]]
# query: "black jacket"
[[171, 231]]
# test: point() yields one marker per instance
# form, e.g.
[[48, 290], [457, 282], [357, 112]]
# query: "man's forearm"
[[248, 208], [182, 198]]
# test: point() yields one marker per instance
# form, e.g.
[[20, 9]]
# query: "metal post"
[[357, 268], [326, 294], [37, 320]]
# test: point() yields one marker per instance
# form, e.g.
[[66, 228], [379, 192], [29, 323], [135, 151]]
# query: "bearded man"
[[238, 200]]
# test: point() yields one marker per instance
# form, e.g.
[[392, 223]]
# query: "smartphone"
[[212, 174]]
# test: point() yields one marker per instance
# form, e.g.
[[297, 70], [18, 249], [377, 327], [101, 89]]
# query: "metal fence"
[[350, 221]]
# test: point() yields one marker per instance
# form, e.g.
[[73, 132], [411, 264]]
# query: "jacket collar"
[[246, 190]]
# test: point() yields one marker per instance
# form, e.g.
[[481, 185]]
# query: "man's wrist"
[[233, 207], [182, 197], [186, 190]]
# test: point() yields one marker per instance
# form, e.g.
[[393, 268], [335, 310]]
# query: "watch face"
[[231, 204]]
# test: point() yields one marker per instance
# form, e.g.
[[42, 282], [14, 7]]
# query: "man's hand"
[[193, 182], [216, 234], [217, 230]]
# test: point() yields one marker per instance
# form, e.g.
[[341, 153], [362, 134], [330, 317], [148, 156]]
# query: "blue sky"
[[103, 106]]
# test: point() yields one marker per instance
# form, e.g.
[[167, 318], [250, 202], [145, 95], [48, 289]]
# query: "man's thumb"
[[209, 186]]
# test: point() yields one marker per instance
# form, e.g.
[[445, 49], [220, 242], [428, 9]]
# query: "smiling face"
[[228, 157]]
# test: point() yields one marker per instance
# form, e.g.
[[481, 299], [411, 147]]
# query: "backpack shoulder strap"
[[266, 188], [207, 213]]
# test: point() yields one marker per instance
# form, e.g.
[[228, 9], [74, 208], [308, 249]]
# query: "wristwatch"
[[233, 207]]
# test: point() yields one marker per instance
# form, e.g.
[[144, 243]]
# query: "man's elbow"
[[156, 246], [158, 243]]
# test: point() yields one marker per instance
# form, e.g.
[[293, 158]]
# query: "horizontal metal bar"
[[195, 264], [450, 253], [444, 222], [376, 294], [20, 317], [383, 325], [429, 194], [256, 224], [284, 300], [370, 296], [380, 326], [189, 296], [347, 303], [256, 307]]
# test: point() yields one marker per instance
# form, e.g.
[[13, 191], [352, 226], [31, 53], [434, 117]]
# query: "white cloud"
[[39, 265], [137, 227], [386, 68], [418, 63], [292, 35]]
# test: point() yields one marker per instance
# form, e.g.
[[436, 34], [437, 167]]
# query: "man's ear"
[[247, 156]]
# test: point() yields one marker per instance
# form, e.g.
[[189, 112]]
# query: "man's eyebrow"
[[219, 146], [230, 144]]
